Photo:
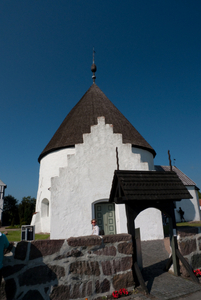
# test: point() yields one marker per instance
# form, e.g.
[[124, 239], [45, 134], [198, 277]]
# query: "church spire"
[[93, 67]]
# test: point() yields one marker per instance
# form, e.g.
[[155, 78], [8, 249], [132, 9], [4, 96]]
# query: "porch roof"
[[147, 185]]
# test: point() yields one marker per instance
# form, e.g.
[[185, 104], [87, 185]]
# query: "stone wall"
[[189, 243], [77, 268]]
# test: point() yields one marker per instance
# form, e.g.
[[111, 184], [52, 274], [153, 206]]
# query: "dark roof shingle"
[[185, 179], [147, 185], [84, 114]]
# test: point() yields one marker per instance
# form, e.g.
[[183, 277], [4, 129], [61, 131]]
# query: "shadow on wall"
[[24, 267], [188, 208], [89, 266]]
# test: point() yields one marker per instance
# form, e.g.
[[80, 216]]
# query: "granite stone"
[[108, 251], [125, 248], [21, 250], [85, 268], [187, 246], [42, 248], [123, 280], [60, 292]]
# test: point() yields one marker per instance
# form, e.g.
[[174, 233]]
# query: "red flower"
[[197, 272], [115, 294], [123, 292]]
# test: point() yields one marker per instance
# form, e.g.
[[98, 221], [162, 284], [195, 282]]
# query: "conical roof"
[[84, 114]]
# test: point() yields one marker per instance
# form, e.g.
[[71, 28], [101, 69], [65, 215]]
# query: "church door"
[[105, 216]]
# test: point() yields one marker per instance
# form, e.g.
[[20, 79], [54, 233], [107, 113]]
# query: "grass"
[[15, 236], [192, 224], [13, 227]]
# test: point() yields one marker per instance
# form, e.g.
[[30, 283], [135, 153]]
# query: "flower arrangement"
[[118, 294], [115, 294], [197, 272]]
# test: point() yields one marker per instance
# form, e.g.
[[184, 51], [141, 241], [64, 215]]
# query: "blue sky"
[[148, 57]]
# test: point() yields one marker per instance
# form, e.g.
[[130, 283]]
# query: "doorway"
[[105, 216]]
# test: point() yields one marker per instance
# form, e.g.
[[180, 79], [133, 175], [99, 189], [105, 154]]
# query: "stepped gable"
[[84, 114]]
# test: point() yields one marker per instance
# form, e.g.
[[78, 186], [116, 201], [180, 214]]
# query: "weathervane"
[[93, 67]]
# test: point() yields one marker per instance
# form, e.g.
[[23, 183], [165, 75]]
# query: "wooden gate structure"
[[140, 190]]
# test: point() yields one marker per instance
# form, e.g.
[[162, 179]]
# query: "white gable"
[[87, 178]]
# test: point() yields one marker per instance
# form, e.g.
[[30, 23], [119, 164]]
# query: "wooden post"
[[187, 266], [131, 228], [173, 241], [138, 279]]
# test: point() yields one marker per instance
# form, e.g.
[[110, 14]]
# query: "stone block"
[[89, 288], [85, 268], [108, 251], [44, 247], [90, 240], [188, 246], [186, 231], [123, 264], [83, 289], [125, 248], [10, 270], [104, 286], [196, 261], [97, 287], [115, 266], [59, 271], [114, 238], [123, 280], [107, 267], [37, 275], [75, 293], [73, 253], [21, 250], [33, 294], [199, 243], [60, 293]]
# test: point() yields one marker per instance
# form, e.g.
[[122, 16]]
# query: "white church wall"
[[49, 167], [1, 207], [121, 220], [88, 178], [150, 226], [190, 207], [37, 222], [146, 156]]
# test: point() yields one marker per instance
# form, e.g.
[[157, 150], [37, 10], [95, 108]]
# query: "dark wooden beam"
[[173, 240], [137, 275]]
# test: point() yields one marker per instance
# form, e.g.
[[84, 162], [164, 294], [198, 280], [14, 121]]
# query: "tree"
[[199, 195], [26, 209], [10, 211]]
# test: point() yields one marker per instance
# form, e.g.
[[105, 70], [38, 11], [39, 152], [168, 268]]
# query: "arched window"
[[45, 208]]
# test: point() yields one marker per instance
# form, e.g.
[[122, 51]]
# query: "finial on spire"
[[93, 67], [170, 160]]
